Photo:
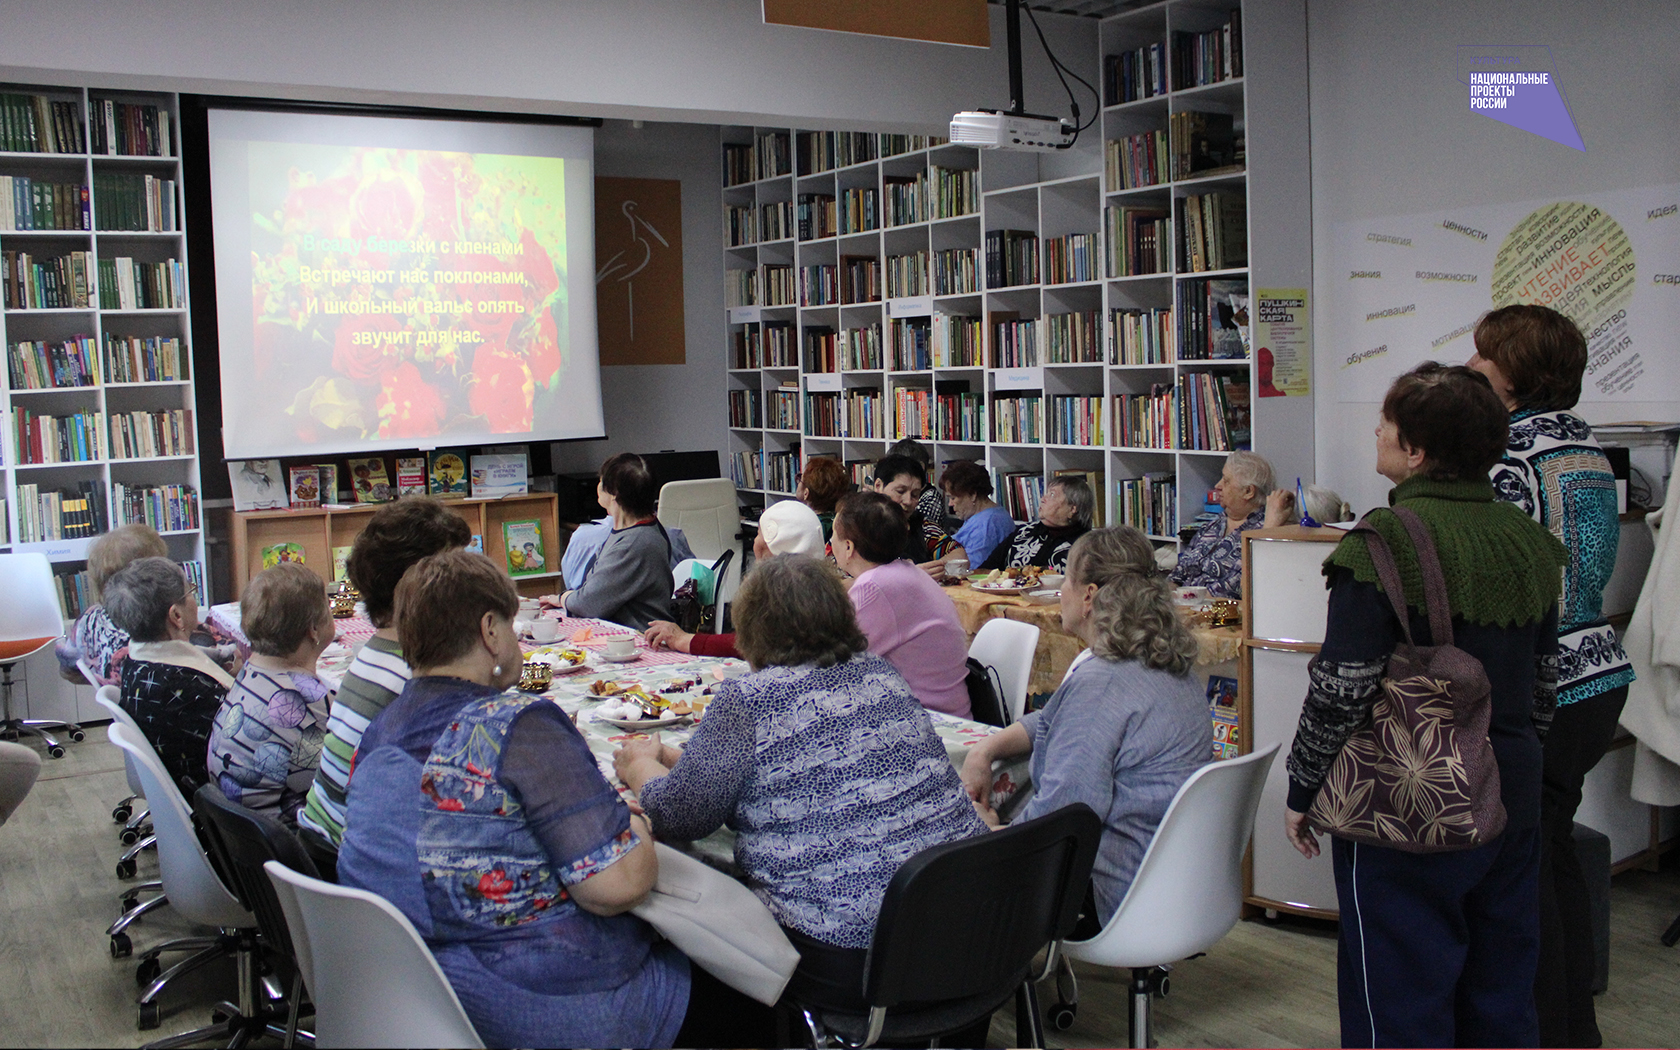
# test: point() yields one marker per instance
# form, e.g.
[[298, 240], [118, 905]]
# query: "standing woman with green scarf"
[[1439, 949]]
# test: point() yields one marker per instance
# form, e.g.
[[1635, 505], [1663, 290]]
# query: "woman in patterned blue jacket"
[[1556, 472], [824, 764]]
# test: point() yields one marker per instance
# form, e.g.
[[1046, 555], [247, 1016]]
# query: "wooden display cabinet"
[[318, 531]]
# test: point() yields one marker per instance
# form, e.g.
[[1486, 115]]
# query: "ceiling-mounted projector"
[[989, 129]]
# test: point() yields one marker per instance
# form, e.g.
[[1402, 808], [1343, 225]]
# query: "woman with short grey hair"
[[1214, 557], [1065, 513], [169, 685]]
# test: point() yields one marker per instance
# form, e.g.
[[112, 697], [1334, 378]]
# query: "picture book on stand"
[[524, 542], [258, 484]]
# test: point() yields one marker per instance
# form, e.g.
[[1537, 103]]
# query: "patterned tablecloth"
[[1056, 647]]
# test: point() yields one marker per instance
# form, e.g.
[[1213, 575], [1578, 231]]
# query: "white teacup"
[[545, 630], [957, 568], [1052, 580], [528, 608], [620, 646]]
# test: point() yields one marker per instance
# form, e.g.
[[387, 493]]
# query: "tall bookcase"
[[123, 358], [1021, 369]]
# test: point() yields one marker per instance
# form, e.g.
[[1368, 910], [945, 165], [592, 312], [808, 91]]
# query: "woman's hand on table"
[[1300, 833], [549, 601], [663, 634], [639, 761], [976, 776]]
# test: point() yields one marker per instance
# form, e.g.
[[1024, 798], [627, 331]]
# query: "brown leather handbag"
[[1421, 775]]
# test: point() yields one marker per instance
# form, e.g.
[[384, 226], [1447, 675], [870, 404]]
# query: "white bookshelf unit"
[[1003, 370], [119, 206]]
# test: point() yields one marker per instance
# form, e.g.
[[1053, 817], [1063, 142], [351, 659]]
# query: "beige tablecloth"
[[1056, 647]]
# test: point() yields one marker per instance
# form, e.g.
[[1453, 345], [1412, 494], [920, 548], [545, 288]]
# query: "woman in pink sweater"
[[908, 620]]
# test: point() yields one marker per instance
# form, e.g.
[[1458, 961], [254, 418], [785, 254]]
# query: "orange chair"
[[30, 620]]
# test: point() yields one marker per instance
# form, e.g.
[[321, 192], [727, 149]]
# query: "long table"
[[654, 670]]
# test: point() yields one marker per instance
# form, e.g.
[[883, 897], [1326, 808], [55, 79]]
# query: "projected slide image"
[[406, 293]]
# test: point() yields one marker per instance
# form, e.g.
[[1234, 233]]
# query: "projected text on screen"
[[408, 293]]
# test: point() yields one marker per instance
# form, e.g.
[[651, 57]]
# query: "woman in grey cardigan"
[[1128, 725], [631, 580]]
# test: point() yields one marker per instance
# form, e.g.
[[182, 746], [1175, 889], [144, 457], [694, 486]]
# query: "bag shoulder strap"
[[1388, 574], [1434, 581]]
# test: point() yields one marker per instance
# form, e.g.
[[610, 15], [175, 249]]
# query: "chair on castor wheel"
[[30, 620], [133, 908], [195, 891], [1187, 892]]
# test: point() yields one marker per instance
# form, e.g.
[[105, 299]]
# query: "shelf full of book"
[[1083, 311], [98, 411]]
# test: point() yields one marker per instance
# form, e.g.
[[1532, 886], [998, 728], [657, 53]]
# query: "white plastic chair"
[[708, 511], [123, 811], [373, 980], [196, 892], [1188, 890], [30, 620], [1007, 646], [145, 836]]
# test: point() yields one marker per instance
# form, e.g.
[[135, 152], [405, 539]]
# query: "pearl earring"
[[497, 670]]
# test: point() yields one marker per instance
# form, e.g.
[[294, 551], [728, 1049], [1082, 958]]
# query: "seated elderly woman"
[[968, 486], [169, 685], [779, 758], [1213, 558], [482, 815], [825, 480], [265, 744], [1064, 515], [786, 527], [99, 644], [908, 619], [630, 582], [394, 538], [1129, 723]]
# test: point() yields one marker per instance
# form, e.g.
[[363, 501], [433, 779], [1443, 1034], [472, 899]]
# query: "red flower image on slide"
[[358, 351], [408, 406], [501, 389], [406, 294]]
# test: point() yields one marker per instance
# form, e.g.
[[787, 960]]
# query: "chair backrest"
[[720, 572], [86, 668], [1188, 889], [108, 697], [242, 841], [376, 983], [30, 617], [967, 917], [709, 513], [194, 889], [1008, 647]]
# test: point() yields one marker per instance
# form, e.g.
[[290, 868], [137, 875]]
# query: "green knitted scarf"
[[1502, 567]]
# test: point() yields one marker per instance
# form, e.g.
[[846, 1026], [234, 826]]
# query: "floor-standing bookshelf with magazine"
[[98, 414], [1084, 311]]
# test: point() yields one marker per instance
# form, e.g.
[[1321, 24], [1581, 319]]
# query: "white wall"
[[710, 61], [649, 408], [1392, 135]]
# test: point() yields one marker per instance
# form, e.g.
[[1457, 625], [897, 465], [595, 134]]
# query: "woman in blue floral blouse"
[[482, 815], [1213, 558]]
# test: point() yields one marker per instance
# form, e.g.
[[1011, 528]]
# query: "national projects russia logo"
[[1517, 84]]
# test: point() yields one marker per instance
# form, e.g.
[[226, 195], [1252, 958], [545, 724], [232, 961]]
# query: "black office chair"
[[240, 842], [958, 930]]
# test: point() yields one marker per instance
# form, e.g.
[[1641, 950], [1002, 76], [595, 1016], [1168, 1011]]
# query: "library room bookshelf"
[[98, 410], [321, 531], [1040, 314]]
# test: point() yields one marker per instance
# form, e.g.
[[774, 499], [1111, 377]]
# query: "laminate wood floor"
[[1265, 984]]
